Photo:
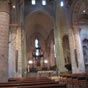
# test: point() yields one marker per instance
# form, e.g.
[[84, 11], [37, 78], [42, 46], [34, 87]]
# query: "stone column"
[[12, 52], [4, 28], [24, 54], [79, 50], [59, 55], [72, 51], [52, 58], [59, 26], [18, 51], [76, 51]]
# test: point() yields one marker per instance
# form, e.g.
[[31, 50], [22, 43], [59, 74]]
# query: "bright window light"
[[33, 2], [36, 43], [43, 2], [84, 11], [37, 52], [61, 3]]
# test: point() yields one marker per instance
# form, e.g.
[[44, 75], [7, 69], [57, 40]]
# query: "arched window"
[[37, 53], [37, 47], [61, 3], [36, 43]]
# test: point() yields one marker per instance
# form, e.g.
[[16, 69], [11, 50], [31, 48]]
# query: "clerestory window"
[[33, 2], [43, 2]]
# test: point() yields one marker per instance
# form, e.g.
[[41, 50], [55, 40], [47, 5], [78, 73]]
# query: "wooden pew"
[[43, 85], [32, 83], [46, 86], [24, 84], [78, 80], [87, 79], [30, 79]]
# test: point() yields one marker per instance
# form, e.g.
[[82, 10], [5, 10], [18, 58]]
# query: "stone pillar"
[[76, 51], [59, 26], [72, 51], [59, 55], [24, 54], [18, 52], [4, 28], [79, 50], [52, 58], [12, 52]]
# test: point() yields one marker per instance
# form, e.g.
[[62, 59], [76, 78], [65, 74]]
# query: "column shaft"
[[72, 51], [76, 51], [78, 47], [12, 52], [52, 58], [18, 49], [4, 28]]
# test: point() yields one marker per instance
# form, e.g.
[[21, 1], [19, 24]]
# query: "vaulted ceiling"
[[38, 22]]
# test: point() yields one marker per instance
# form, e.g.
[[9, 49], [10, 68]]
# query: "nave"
[[44, 43]]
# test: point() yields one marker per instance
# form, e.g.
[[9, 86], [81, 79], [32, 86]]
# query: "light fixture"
[[30, 62], [84, 11], [45, 61], [61, 3], [85, 6], [14, 6]]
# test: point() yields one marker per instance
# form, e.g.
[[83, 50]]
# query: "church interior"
[[44, 43]]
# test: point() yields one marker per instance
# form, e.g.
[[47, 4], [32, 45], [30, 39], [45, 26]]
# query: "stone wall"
[[4, 27]]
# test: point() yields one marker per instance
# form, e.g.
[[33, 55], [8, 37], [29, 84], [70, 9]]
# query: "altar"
[[46, 73]]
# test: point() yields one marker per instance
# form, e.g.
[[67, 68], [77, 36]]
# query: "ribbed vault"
[[38, 24]]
